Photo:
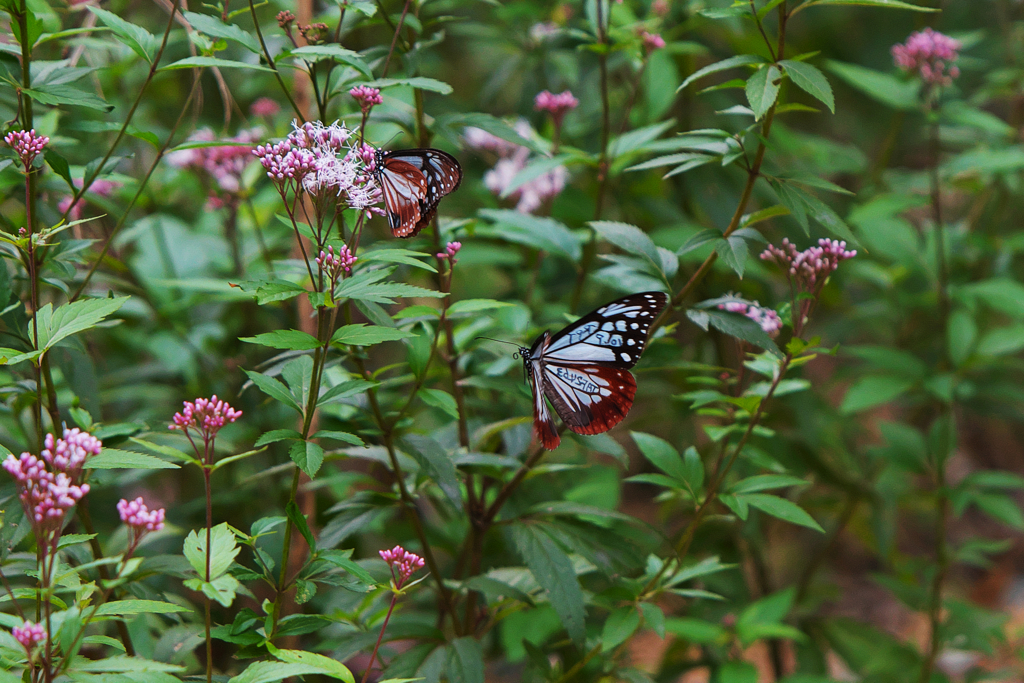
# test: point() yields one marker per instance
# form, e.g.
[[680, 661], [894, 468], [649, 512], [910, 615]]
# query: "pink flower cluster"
[[320, 160], [264, 107], [139, 517], [929, 53], [557, 105], [206, 416], [99, 187], [335, 264], [450, 250], [401, 560], [812, 266], [652, 41], [367, 97], [27, 145], [29, 635], [513, 158], [224, 164], [68, 453], [766, 318], [45, 494]]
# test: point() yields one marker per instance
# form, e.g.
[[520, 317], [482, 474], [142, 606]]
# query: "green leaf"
[[202, 62], [299, 520], [781, 508], [294, 340], [123, 664], [142, 42], [883, 87], [630, 239], [890, 4], [273, 388], [620, 625], [553, 570], [404, 256], [874, 390], [341, 558], [662, 455], [810, 79], [826, 217], [367, 286], [1001, 507], [344, 437], [467, 306], [60, 166], [493, 125], [438, 398], [735, 325], [961, 334], [765, 482], [699, 240], [465, 661], [223, 546], [637, 140], [693, 469], [275, 435], [737, 672], [360, 334], [335, 52], [730, 63], [696, 631], [269, 672], [438, 466], [1000, 294], [346, 389], [308, 456], [327, 666], [1002, 341], [72, 318], [418, 82], [114, 459], [763, 89], [538, 232], [123, 607], [212, 26]]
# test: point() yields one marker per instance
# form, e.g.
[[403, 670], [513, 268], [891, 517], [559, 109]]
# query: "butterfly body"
[[583, 370], [413, 182]]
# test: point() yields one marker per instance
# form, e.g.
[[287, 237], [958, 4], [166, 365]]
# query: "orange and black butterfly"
[[413, 182]]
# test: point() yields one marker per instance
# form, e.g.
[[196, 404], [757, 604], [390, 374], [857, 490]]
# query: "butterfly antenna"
[[502, 341]]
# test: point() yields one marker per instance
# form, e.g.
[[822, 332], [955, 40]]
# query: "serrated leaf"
[[72, 318], [553, 570], [437, 464], [467, 306], [202, 62], [810, 79], [114, 459], [275, 435], [868, 392], [223, 548], [662, 455], [630, 239], [781, 508], [308, 456], [335, 52], [620, 625], [294, 340], [465, 661], [124, 607], [418, 82], [293, 513], [142, 42], [212, 26], [273, 388], [735, 325], [763, 89], [538, 232], [327, 666], [269, 672], [404, 256], [438, 398], [730, 63], [360, 334]]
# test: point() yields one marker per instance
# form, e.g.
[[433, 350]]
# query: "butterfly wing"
[[615, 333], [589, 399], [436, 174], [404, 187], [584, 369]]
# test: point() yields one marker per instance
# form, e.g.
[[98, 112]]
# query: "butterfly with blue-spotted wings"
[[584, 369], [413, 182]]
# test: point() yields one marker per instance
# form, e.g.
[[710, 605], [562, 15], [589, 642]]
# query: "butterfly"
[[414, 181], [584, 369]]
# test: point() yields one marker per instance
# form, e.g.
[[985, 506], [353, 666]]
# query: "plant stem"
[[209, 532], [941, 569], [383, 627], [394, 39], [273, 66]]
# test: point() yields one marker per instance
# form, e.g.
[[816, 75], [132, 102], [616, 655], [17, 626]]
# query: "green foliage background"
[[884, 469]]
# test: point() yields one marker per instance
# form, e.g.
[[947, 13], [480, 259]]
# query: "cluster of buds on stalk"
[[766, 318], [335, 265], [367, 97], [49, 486], [29, 636], [930, 55], [140, 520], [402, 563], [807, 271], [27, 144], [205, 417], [223, 164]]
